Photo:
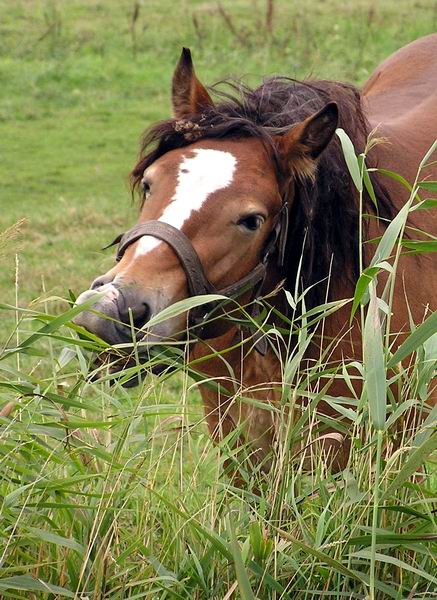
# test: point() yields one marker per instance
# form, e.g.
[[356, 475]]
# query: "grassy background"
[[113, 494], [80, 80]]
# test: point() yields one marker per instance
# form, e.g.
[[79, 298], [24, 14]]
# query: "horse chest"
[[250, 388]]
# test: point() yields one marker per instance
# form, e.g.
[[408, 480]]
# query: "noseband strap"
[[198, 283]]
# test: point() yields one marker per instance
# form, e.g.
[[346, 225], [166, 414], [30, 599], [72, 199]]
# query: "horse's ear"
[[189, 96], [300, 147]]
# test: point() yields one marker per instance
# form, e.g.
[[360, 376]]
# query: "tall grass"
[[115, 493]]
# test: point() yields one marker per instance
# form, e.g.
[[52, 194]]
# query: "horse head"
[[215, 189]]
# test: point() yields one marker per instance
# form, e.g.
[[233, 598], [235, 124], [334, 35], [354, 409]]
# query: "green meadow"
[[110, 493], [81, 80]]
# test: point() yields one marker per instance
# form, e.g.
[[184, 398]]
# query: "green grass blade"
[[416, 459], [388, 240], [53, 325], [428, 155], [350, 158], [392, 538], [400, 564], [374, 364], [242, 577], [427, 329], [29, 584], [182, 306], [431, 186], [396, 177], [322, 556], [53, 538]]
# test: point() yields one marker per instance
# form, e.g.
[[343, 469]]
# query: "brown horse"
[[253, 191]]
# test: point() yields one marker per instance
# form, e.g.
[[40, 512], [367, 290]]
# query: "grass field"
[[110, 494], [76, 93]]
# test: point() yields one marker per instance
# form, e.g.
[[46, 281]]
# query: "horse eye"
[[145, 185], [251, 222]]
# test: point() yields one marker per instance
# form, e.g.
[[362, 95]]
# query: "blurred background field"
[[81, 79], [108, 493]]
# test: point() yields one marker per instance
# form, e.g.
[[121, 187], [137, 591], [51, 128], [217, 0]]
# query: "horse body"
[[399, 100]]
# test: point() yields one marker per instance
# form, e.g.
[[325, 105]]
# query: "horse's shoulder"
[[411, 66], [400, 99], [404, 80]]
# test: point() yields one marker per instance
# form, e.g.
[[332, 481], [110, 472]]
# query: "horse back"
[[400, 100]]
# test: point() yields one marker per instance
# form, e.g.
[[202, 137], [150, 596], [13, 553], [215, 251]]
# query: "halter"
[[197, 281]]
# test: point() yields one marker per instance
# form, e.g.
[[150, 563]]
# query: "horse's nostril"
[[100, 282], [138, 316], [143, 317]]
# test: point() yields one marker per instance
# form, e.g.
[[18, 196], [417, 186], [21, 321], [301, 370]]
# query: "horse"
[[249, 196]]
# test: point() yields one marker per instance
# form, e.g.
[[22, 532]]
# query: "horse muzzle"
[[120, 314]]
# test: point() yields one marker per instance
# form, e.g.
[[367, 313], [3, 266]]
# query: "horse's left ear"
[[189, 96], [300, 147]]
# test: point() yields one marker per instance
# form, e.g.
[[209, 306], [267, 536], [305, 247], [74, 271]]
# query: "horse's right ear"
[[189, 96]]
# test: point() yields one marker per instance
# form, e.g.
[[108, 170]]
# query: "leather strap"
[[198, 284], [283, 219]]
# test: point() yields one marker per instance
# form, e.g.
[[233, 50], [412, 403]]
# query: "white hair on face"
[[199, 176]]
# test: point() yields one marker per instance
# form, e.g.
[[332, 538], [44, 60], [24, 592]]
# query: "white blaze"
[[199, 176]]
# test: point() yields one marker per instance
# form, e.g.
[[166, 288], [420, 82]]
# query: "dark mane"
[[325, 213]]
